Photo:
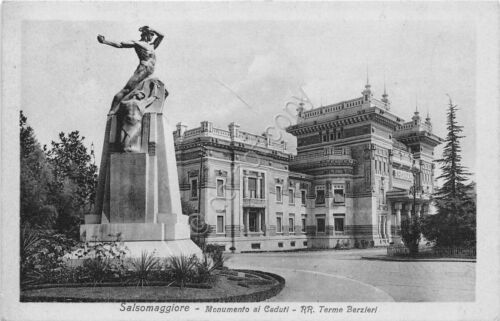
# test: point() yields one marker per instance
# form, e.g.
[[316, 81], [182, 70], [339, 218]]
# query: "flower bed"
[[57, 269], [224, 290]]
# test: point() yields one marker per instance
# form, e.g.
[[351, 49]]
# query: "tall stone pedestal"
[[138, 198]]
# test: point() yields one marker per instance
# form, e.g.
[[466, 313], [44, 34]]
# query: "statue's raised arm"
[[121, 44], [145, 50]]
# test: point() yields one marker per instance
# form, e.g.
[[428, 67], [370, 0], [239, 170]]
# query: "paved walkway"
[[343, 276]]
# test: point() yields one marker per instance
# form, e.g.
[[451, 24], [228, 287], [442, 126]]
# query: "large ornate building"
[[350, 182]]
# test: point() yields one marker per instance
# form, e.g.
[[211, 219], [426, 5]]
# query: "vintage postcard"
[[250, 160]]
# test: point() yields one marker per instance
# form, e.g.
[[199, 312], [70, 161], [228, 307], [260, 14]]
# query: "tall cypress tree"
[[455, 222], [453, 174]]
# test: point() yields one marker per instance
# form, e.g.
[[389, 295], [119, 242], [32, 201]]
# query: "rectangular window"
[[291, 226], [220, 224], [278, 194], [221, 191], [338, 194], [320, 224], [280, 244], [303, 225], [291, 196], [339, 224], [303, 197], [252, 221], [262, 188], [305, 243], [194, 188], [292, 243], [279, 224], [252, 187], [255, 246], [320, 196]]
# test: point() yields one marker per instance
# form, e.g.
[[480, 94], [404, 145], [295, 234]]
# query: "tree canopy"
[[57, 184], [455, 221]]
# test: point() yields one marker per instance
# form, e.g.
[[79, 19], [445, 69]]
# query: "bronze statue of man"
[[145, 49]]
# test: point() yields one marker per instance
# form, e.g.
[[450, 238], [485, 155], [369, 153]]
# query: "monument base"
[[163, 249], [171, 237]]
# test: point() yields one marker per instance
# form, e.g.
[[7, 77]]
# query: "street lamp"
[[416, 187]]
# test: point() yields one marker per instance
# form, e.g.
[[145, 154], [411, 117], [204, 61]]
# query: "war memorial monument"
[[138, 200]]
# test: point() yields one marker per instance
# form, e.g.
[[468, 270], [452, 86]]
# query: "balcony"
[[254, 202]]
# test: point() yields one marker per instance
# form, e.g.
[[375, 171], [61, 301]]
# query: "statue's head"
[[146, 34]]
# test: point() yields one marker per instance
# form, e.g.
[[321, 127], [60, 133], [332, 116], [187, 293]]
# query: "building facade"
[[358, 172]]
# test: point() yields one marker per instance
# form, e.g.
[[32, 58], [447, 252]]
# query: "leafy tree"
[[411, 233], [75, 179], [36, 175], [455, 222]]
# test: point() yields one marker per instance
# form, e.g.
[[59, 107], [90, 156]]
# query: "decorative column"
[[418, 208], [258, 222], [388, 227], [409, 207], [398, 206], [379, 226], [245, 187]]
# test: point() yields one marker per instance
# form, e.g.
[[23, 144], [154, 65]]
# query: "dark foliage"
[[36, 175], [455, 222], [42, 255], [75, 179], [411, 233]]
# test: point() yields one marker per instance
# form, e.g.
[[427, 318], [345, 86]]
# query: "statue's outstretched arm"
[[121, 44]]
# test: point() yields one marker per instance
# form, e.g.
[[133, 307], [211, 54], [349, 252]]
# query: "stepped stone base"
[[163, 249], [171, 237], [170, 228]]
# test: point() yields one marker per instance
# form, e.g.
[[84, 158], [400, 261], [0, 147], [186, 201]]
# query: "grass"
[[222, 289]]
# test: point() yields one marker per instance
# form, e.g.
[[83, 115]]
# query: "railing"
[[254, 202], [455, 252], [333, 108], [221, 132], [411, 127], [326, 154], [192, 132], [248, 138]]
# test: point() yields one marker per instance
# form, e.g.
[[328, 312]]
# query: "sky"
[[244, 65]]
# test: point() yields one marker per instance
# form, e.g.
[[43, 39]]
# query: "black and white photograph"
[[250, 160]]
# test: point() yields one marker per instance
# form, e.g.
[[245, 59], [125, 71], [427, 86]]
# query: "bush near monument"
[[46, 258], [106, 275]]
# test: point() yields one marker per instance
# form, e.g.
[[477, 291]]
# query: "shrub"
[[411, 233], [183, 268], [216, 255], [96, 269], [143, 268], [41, 255], [110, 250]]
